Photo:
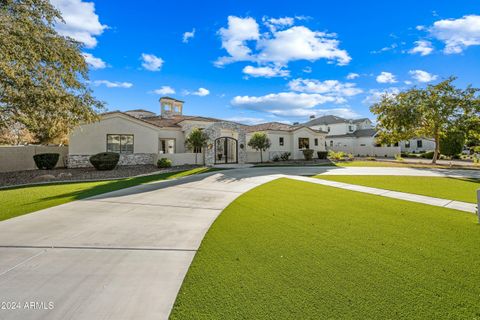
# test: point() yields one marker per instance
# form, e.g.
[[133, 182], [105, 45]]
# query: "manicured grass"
[[366, 163], [21, 200], [446, 188], [294, 250]]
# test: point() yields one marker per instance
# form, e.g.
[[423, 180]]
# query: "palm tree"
[[196, 140]]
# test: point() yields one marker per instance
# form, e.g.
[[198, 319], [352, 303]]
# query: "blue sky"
[[255, 61]]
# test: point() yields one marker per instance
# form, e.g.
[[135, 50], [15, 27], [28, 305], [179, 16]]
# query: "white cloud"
[[113, 84], [393, 46], [352, 75], [164, 90], [246, 120], [457, 34], [408, 82], [423, 47], [277, 46], [420, 28], [376, 95], [94, 62], [265, 72], [278, 23], [281, 101], [341, 112], [81, 21], [386, 77], [307, 69], [234, 39], [301, 43], [188, 35], [201, 92], [422, 76], [329, 87], [151, 62]]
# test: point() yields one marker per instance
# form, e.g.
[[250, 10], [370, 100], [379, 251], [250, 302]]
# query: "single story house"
[[141, 137]]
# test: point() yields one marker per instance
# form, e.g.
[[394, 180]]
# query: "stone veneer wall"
[[214, 131], [81, 160]]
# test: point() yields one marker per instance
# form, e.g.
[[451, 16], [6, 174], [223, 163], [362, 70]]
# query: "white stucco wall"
[[172, 133], [92, 138], [427, 145]]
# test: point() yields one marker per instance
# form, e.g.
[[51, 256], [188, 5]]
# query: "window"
[[280, 141], [303, 143], [120, 143], [419, 143], [315, 142], [328, 129], [407, 144], [167, 146], [350, 128], [331, 143], [395, 144], [362, 145]]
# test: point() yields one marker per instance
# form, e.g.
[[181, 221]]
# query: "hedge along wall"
[[18, 158]]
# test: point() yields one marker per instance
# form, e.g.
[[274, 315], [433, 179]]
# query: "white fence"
[[179, 159], [369, 151], [18, 158]]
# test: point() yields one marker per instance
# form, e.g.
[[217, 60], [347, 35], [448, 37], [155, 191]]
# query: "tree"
[[429, 112], [43, 76], [260, 142], [452, 143], [196, 140]]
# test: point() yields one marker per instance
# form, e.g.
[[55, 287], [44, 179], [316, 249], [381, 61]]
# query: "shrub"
[[276, 158], [105, 160], [428, 155], [398, 157], [46, 161], [308, 154], [337, 156], [349, 157], [452, 144], [164, 163], [285, 156], [322, 154]]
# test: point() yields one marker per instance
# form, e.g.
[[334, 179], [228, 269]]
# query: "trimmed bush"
[[428, 155], [308, 154], [322, 154], [105, 160], [285, 156], [276, 158], [46, 161], [164, 163]]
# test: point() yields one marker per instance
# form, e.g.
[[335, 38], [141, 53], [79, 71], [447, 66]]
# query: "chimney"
[[170, 107], [312, 117]]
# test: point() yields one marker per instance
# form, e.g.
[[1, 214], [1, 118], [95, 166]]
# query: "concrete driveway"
[[123, 255]]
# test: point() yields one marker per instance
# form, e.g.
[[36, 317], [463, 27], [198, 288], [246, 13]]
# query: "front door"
[[226, 150]]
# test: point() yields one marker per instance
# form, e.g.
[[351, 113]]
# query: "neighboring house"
[[355, 136], [417, 145], [141, 137]]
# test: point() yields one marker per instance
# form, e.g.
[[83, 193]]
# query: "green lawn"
[[392, 163], [22, 200], [447, 188], [295, 250]]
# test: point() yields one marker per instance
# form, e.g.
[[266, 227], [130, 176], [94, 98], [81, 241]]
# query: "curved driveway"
[[123, 255]]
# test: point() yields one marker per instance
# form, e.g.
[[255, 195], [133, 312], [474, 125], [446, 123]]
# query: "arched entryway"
[[226, 150]]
